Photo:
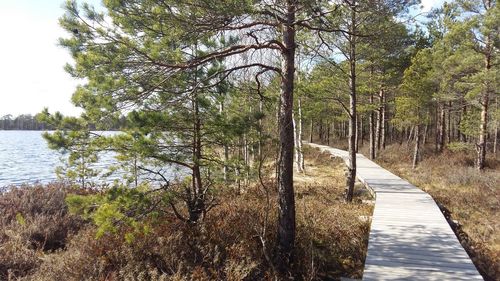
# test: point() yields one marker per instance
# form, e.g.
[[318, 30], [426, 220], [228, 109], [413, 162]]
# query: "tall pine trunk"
[[196, 203], [286, 197]]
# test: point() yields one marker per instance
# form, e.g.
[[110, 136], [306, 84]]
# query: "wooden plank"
[[424, 260], [409, 238], [401, 249], [422, 256], [421, 265], [409, 273]]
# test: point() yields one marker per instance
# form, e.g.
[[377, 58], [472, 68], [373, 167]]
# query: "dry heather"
[[228, 245], [33, 220], [472, 198]]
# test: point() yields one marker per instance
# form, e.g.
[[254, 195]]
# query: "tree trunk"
[[302, 162], [485, 98], [286, 197], [410, 136], [362, 131], [311, 131], [378, 133], [442, 129], [226, 160], [225, 170], [238, 169], [481, 145], [320, 131], [246, 159], [383, 123], [356, 137], [261, 111], [426, 131], [372, 130], [328, 132], [196, 204], [298, 153], [448, 134], [495, 141], [351, 177], [462, 117], [416, 152]]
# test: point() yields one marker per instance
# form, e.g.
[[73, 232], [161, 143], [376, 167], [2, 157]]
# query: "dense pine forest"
[[22, 122], [30, 122], [230, 92]]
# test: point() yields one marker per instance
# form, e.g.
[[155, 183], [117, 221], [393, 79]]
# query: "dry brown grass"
[[331, 238], [33, 220], [337, 235], [472, 197]]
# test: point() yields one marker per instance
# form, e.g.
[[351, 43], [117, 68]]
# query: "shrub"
[[460, 146]]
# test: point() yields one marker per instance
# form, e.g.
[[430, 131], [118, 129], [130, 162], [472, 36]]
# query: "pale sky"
[[31, 63], [429, 4]]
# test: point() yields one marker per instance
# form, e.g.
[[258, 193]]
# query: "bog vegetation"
[[42, 239], [225, 91]]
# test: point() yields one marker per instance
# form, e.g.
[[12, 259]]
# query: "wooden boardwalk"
[[410, 238]]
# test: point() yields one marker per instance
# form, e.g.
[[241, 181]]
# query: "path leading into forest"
[[410, 238]]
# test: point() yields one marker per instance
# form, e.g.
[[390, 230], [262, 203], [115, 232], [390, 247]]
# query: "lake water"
[[26, 158]]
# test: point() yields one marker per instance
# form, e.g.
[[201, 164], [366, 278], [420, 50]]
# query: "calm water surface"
[[26, 158]]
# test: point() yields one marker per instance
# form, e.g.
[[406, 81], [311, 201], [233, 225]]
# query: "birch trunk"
[[351, 177], [442, 129], [416, 152], [372, 131], [481, 145], [298, 155], [383, 124]]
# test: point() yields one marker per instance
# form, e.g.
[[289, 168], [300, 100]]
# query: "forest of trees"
[[22, 122], [33, 123], [222, 88]]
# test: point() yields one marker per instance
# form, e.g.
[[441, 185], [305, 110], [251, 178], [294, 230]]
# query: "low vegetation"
[[469, 197], [41, 240]]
